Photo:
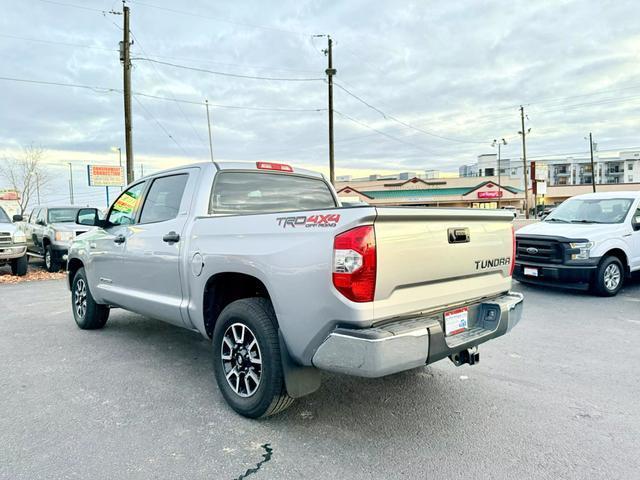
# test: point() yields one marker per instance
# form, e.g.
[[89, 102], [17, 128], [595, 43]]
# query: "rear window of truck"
[[257, 192]]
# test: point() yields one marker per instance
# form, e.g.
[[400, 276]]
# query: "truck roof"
[[241, 165], [605, 195]]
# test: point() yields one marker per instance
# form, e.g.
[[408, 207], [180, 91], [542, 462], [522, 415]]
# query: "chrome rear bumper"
[[414, 341]]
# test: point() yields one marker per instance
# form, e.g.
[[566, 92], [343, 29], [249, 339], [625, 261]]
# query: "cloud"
[[457, 69]]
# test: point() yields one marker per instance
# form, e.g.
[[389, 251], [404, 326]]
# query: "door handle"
[[119, 239], [171, 237]]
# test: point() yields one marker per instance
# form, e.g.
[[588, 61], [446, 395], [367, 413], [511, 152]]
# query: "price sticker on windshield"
[[456, 321]]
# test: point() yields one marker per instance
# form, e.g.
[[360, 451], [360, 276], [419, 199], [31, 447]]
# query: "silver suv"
[[13, 246], [50, 231]]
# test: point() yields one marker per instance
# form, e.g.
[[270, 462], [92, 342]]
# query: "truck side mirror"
[[17, 218], [88, 217], [635, 223]]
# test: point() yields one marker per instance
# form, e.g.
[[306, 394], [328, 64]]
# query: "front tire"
[[51, 263], [88, 314], [19, 266], [609, 277], [246, 359]]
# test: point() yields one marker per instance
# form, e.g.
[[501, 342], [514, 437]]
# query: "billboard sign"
[[105, 175]]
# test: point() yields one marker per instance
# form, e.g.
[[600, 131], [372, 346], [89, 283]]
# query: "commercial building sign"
[[490, 194], [9, 194], [105, 175]]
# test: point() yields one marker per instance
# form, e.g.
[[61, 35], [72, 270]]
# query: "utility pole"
[[593, 169], [70, 183], [524, 164], [141, 170], [206, 102], [125, 58], [330, 71]]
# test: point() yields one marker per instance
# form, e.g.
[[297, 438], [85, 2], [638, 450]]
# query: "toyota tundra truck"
[[263, 261]]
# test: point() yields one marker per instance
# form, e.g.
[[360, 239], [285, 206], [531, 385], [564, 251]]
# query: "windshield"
[[4, 218], [577, 210], [62, 215]]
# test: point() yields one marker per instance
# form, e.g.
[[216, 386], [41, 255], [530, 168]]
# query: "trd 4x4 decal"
[[311, 221]]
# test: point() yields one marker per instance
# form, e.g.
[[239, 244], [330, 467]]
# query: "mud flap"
[[299, 380]]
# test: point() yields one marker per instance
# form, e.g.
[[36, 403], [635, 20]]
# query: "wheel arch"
[[620, 255], [73, 265], [223, 288]]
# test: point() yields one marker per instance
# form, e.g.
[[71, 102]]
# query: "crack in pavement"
[[265, 458]]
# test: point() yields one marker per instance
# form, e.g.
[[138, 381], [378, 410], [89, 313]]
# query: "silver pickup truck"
[[262, 259]]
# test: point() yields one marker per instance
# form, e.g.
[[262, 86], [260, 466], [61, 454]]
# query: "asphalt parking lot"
[[557, 398]]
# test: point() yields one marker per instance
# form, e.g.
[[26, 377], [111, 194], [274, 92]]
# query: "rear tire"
[[609, 277], [88, 314], [246, 359], [19, 266], [51, 262]]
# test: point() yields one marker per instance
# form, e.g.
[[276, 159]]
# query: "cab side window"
[[42, 216], [162, 203], [125, 209]]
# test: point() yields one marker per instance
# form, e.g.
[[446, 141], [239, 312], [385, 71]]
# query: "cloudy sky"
[[441, 80]]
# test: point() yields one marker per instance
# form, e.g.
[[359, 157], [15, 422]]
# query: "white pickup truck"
[[590, 241], [262, 259]]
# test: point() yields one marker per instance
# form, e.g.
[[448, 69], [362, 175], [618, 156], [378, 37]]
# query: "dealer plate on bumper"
[[456, 321], [530, 271]]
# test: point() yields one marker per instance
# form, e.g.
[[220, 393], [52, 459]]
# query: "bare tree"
[[25, 174]]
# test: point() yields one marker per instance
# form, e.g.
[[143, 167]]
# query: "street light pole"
[[70, 182], [500, 143], [593, 170]]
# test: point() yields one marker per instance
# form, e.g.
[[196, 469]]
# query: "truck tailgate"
[[433, 258]]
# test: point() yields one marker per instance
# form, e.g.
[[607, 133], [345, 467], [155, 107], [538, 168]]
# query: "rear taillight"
[[513, 251], [278, 167], [354, 263]]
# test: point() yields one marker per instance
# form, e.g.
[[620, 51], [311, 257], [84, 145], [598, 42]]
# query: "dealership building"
[[451, 192]]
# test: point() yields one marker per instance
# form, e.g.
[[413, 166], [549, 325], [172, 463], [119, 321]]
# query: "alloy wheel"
[[47, 258], [80, 298], [612, 276], [241, 359]]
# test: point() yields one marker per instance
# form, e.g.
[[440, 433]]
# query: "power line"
[[52, 42], [160, 125], [348, 117], [170, 93], [227, 74], [219, 19], [98, 89], [589, 104], [72, 5], [236, 107], [401, 122], [62, 84]]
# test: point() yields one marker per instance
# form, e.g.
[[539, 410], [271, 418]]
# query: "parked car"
[[13, 244], [590, 241], [545, 212], [50, 231], [262, 259]]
